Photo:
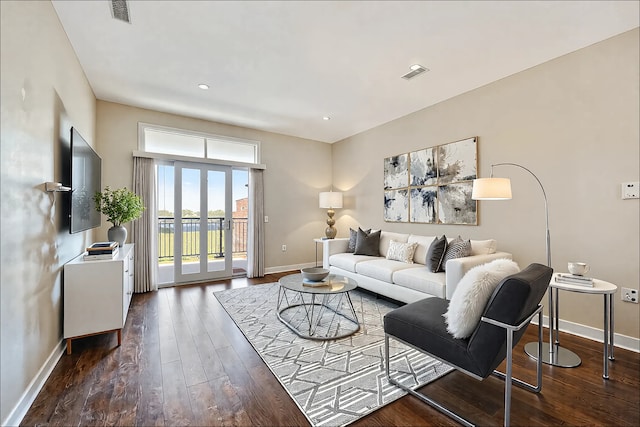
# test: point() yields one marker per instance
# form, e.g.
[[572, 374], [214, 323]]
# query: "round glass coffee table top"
[[331, 284], [317, 310]]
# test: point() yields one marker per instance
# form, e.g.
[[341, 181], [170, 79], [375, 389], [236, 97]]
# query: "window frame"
[[141, 152]]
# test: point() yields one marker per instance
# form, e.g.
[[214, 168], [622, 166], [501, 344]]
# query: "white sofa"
[[404, 281]]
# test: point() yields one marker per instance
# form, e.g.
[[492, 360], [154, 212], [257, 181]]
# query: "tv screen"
[[86, 170]]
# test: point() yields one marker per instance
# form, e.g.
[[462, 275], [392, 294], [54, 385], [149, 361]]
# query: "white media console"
[[97, 295]]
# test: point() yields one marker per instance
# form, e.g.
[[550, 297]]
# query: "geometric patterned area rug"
[[333, 382]]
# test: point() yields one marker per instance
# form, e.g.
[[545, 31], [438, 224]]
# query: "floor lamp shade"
[[491, 189], [330, 200]]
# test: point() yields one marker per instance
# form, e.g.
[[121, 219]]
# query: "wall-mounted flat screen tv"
[[86, 172]]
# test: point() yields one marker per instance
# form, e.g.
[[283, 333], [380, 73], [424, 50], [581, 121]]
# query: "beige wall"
[[574, 122], [297, 170], [44, 92]]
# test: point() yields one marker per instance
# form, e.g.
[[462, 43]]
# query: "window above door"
[[197, 145]]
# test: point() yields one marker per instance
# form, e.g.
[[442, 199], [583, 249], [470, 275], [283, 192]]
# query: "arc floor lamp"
[[500, 189]]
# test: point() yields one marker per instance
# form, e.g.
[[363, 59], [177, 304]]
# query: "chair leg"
[[420, 396], [508, 377], [523, 384]]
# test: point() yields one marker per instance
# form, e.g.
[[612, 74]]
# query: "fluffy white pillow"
[[401, 251], [472, 295]]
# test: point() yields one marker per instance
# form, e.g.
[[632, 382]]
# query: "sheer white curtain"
[[255, 250], [145, 229]]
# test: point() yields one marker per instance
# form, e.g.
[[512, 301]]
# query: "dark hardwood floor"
[[184, 362]]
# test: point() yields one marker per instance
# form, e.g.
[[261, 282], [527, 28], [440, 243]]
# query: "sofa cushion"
[[402, 252], [457, 248], [347, 261], [423, 242], [435, 254], [483, 247], [353, 236], [367, 244], [472, 295], [385, 239], [382, 269], [421, 280]]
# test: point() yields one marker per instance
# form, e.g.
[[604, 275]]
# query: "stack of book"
[[101, 250], [572, 279]]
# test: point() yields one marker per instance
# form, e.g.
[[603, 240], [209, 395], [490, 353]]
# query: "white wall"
[[574, 122], [44, 92], [297, 170]]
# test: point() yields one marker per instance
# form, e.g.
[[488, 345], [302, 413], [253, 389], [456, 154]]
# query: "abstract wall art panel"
[[396, 205], [396, 172], [422, 167], [455, 205], [423, 205], [457, 161]]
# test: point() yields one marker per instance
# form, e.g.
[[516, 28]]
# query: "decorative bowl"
[[314, 274]]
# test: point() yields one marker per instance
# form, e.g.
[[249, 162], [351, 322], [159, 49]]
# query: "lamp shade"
[[330, 199], [491, 189]]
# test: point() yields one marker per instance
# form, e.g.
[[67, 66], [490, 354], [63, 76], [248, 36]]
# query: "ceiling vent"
[[416, 70], [120, 10]]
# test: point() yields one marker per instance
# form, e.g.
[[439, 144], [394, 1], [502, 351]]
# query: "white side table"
[[552, 353], [318, 240]]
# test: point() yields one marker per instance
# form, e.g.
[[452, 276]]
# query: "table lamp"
[[330, 200]]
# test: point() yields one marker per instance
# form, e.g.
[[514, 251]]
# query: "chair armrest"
[[333, 246], [522, 324], [458, 267]]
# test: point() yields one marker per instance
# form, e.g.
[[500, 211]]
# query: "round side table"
[[552, 353]]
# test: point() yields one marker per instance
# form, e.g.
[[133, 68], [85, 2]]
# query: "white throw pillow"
[[480, 247], [401, 251], [472, 295]]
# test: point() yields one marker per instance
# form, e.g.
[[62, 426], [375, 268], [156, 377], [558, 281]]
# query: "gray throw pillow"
[[435, 254], [353, 235], [457, 248], [367, 244]]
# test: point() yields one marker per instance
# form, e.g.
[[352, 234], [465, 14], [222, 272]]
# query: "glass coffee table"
[[318, 310]]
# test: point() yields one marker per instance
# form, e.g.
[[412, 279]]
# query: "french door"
[[203, 225]]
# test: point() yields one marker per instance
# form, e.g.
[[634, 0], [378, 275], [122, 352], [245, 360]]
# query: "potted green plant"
[[120, 206]]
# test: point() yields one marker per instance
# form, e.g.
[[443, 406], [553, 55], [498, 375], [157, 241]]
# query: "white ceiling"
[[281, 66]]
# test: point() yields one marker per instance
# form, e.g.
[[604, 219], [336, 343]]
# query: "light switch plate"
[[630, 190]]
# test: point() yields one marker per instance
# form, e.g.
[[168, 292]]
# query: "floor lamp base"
[[561, 356]]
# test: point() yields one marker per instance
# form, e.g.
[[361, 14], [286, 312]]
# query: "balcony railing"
[[191, 237]]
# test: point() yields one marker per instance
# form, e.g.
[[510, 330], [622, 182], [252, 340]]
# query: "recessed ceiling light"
[[416, 69], [326, 118], [203, 86]]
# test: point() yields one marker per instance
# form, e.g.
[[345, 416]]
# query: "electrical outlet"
[[284, 248], [630, 190], [629, 295]]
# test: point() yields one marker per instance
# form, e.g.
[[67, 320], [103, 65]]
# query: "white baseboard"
[[281, 268], [34, 387], [595, 334]]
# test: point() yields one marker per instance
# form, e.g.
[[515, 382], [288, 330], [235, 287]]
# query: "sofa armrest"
[[333, 246], [458, 267]]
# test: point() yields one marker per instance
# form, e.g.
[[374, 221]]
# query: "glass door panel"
[[166, 223], [218, 221], [202, 207]]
